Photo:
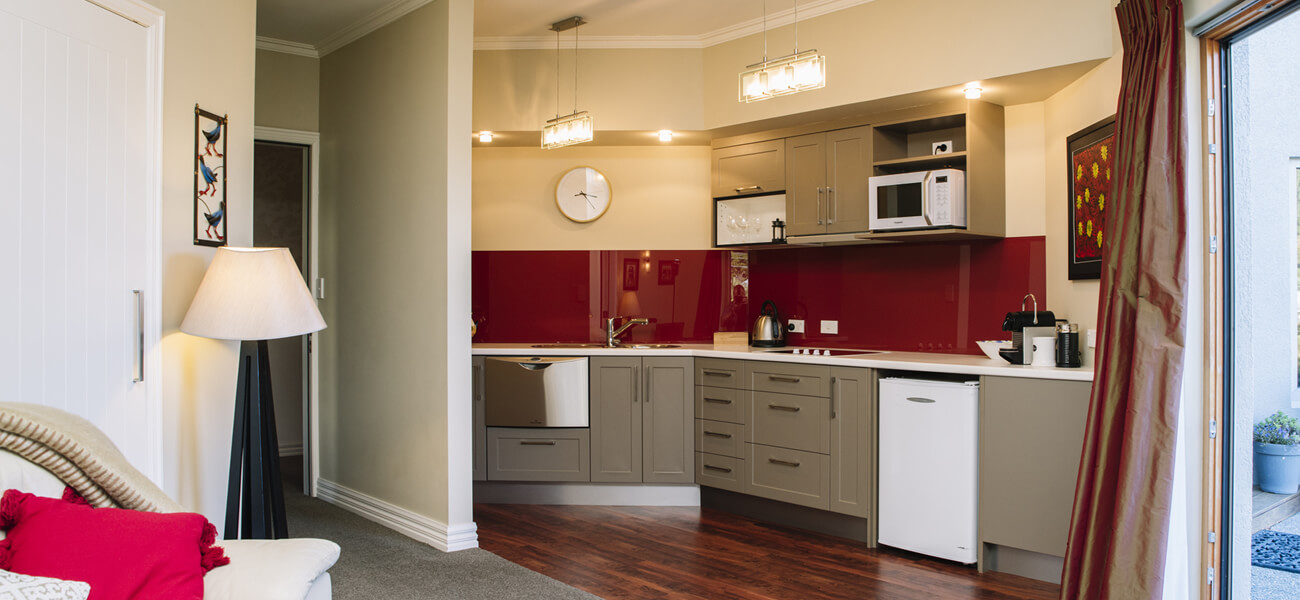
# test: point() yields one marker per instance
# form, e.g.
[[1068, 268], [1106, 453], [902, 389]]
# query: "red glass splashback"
[[933, 297]]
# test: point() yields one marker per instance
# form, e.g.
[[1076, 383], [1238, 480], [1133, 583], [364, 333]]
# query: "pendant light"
[[574, 128], [783, 76]]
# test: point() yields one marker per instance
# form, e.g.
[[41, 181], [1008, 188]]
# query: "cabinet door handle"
[[782, 407], [649, 383], [725, 436], [636, 372], [536, 442], [831, 209], [748, 188], [783, 379], [139, 337], [819, 206], [718, 400], [713, 468], [834, 396], [717, 373], [786, 463]]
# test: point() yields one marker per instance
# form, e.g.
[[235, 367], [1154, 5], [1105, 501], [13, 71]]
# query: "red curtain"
[[1120, 525]]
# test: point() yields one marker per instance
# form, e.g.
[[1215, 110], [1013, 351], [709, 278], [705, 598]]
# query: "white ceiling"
[[327, 24]]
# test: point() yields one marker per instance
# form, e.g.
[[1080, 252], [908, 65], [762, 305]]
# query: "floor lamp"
[[253, 295]]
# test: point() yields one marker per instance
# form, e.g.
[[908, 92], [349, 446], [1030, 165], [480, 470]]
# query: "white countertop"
[[962, 364]]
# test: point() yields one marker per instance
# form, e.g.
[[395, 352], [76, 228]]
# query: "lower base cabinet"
[[478, 434], [642, 419], [551, 454], [723, 472], [793, 476]]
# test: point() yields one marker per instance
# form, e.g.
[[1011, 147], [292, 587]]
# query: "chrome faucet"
[[611, 334]]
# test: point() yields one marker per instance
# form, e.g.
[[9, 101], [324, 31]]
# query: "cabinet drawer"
[[719, 404], [720, 372], [539, 454], [785, 378], [722, 472], [717, 437], [789, 421], [788, 475]]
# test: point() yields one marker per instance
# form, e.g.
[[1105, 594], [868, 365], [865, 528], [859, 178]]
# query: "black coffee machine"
[[1024, 326]]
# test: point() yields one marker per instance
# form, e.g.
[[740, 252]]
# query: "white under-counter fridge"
[[928, 463]]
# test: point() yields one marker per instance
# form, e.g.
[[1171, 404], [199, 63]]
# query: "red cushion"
[[122, 554]]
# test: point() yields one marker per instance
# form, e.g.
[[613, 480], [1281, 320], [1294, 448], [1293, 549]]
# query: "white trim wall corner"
[[311, 139], [413, 525]]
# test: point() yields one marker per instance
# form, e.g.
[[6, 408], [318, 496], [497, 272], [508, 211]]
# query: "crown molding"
[[719, 36], [287, 47], [392, 12]]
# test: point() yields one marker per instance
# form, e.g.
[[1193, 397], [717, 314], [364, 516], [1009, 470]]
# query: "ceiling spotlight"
[[485, 137], [665, 135], [973, 92]]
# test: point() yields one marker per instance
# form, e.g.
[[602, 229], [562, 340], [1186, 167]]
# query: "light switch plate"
[[795, 326], [830, 327], [1092, 338]]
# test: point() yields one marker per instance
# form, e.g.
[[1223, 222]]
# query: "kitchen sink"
[[821, 351], [593, 345]]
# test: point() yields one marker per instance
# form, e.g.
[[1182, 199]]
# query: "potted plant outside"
[[1277, 454]]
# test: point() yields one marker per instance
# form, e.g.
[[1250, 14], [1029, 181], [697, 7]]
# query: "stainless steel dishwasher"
[[535, 391]]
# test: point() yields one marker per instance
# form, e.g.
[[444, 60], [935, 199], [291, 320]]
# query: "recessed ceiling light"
[[485, 137], [973, 91], [665, 135]]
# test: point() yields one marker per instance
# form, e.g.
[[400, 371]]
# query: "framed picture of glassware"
[[1090, 155], [209, 178]]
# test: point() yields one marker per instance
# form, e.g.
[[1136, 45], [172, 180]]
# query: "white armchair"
[[43, 450]]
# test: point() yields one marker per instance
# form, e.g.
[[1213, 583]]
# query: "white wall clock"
[[583, 194]]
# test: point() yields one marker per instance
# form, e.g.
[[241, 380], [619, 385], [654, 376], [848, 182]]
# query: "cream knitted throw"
[[80, 455]]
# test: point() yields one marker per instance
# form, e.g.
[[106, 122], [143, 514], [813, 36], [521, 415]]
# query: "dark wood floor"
[[656, 552]]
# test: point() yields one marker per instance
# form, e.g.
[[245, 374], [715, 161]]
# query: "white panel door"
[[78, 233]]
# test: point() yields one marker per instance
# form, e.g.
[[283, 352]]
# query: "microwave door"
[[900, 203]]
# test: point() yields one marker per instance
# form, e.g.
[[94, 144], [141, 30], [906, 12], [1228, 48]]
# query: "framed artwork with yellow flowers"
[[1091, 156]]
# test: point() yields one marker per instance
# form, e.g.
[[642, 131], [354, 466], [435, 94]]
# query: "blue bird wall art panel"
[[210, 212]]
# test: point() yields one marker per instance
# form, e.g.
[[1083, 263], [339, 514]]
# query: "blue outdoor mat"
[[1275, 550]]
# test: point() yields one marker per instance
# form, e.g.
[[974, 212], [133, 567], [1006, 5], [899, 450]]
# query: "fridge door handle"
[[920, 400]]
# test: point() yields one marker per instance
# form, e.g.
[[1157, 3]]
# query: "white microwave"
[[919, 200]]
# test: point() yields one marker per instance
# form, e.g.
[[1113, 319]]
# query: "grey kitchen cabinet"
[[542, 454], [826, 178], [720, 372], [478, 434], [1031, 440], [642, 419], [787, 433], [749, 169], [852, 447]]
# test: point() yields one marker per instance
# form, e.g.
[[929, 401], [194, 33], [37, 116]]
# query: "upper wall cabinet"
[[968, 136], [826, 182], [749, 169]]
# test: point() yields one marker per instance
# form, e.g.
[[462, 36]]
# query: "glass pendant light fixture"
[[785, 75], [574, 128]]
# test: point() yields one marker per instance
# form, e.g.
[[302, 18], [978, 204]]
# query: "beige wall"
[[395, 110], [661, 199], [288, 91], [514, 90], [891, 47], [1026, 169], [198, 374]]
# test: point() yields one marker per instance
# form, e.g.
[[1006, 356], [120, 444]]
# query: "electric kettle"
[[769, 330]]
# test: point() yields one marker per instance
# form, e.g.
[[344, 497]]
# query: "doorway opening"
[[284, 202]]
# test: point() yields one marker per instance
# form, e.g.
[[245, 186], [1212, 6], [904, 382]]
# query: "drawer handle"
[[748, 188], [781, 407], [717, 373], [717, 435], [713, 468], [718, 400], [787, 463], [783, 379], [537, 442]]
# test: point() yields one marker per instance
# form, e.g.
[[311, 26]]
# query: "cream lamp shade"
[[252, 294]]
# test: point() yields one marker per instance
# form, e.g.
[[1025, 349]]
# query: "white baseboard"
[[401, 520], [291, 449], [589, 494]]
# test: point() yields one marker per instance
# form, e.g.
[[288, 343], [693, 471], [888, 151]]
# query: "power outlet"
[[795, 326], [831, 327]]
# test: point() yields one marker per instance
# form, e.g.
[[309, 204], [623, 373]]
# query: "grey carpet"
[[378, 563]]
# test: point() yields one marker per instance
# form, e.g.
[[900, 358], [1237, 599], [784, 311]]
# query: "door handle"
[[649, 383], [138, 338], [834, 395], [921, 400], [831, 210], [636, 379], [748, 188], [819, 206]]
